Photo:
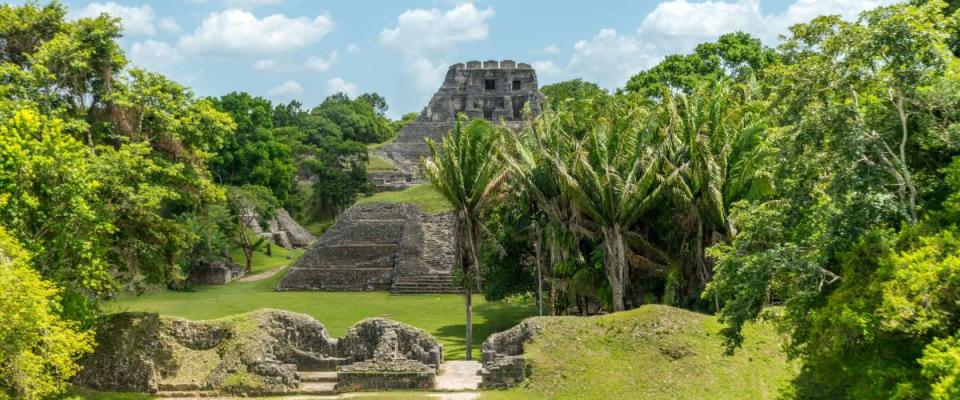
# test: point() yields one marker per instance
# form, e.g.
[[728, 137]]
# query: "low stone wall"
[[386, 375], [216, 272], [383, 339], [254, 354], [503, 361]]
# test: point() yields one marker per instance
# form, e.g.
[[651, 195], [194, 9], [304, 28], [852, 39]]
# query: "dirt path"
[[425, 396], [459, 375], [260, 275]]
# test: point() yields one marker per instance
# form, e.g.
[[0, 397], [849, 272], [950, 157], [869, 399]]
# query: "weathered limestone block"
[[489, 90], [298, 236], [216, 272], [372, 247], [378, 338], [503, 362], [256, 354], [397, 374]]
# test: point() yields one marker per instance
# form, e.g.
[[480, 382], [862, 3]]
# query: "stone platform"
[[379, 246]]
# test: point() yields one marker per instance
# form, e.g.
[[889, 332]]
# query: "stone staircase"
[[421, 284]]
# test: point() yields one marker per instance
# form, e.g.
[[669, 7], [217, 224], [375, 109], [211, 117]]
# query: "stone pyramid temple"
[[395, 247]]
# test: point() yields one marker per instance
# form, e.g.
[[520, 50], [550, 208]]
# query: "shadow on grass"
[[488, 318]]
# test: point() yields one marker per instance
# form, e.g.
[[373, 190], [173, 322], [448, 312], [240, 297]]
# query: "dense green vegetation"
[[652, 352], [821, 176]]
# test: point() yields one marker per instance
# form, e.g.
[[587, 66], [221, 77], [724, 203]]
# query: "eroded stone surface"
[[492, 90], [252, 354], [379, 246], [503, 361]]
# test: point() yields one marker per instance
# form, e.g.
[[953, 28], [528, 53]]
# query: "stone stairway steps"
[[427, 283], [323, 365], [318, 376], [317, 388]]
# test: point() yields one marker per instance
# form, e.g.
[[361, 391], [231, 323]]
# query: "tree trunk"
[[615, 260], [538, 254], [468, 298]]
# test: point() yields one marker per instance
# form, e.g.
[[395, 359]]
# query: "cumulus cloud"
[[338, 85], [313, 63], [248, 4], [135, 20], [352, 48], [320, 64], [677, 26], [549, 50], [546, 67], [286, 91], [426, 38], [422, 31], [169, 25], [152, 53], [236, 32]]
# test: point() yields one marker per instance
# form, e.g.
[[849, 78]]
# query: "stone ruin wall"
[[149, 353], [371, 247], [492, 90]]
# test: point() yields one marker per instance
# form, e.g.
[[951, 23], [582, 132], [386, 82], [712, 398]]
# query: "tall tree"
[[467, 170]]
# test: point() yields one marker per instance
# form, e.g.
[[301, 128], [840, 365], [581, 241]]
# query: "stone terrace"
[[379, 246]]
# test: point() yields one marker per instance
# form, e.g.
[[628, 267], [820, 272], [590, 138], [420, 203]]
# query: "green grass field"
[[423, 196], [653, 352], [261, 262], [440, 315], [375, 163]]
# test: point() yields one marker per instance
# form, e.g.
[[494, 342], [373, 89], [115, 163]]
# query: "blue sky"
[[305, 50]]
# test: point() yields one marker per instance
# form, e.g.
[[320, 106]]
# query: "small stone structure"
[[389, 356], [216, 272], [263, 353], [492, 90], [379, 246], [282, 230], [503, 362]]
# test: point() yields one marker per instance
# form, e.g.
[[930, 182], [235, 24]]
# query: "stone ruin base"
[[376, 375], [504, 365]]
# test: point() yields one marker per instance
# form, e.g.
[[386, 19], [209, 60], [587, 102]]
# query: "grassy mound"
[[423, 196], [653, 352]]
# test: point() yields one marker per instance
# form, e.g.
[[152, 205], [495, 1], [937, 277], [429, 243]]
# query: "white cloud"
[[169, 25], [338, 85], [236, 32], [248, 4], [422, 31], [320, 64], [286, 91], [135, 20], [426, 38], [352, 48], [677, 26], [427, 74], [313, 63], [546, 68], [152, 53], [549, 50], [264, 64]]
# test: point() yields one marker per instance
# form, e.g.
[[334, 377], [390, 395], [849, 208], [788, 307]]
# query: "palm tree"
[[468, 172], [612, 179], [716, 152]]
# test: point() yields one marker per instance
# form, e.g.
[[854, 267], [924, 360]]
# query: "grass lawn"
[[653, 352], [261, 262], [440, 315], [375, 163], [423, 196]]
